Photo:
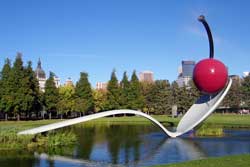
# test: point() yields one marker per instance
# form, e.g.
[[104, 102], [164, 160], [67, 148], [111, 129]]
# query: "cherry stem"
[[209, 34]]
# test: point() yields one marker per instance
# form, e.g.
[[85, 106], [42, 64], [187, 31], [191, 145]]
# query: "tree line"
[[21, 98]]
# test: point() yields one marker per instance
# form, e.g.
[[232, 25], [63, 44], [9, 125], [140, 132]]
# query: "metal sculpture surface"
[[210, 77]]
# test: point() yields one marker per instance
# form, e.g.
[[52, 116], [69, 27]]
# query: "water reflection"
[[128, 145]]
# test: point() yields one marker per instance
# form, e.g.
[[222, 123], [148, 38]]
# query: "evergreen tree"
[[125, 88], [135, 97], [18, 92], [146, 89], [183, 99], [6, 101], [160, 97], [84, 95], [175, 93], [113, 93], [31, 101], [51, 95], [245, 91], [1, 91], [165, 94], [182, 96]]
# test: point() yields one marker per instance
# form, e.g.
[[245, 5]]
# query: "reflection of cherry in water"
[[210, 75]]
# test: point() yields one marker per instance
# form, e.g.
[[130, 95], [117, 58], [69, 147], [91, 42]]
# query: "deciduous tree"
[[245, 91], [100, 97], [66, 99]]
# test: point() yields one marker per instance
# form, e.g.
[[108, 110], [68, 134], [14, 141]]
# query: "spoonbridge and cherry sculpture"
[[210, 77]]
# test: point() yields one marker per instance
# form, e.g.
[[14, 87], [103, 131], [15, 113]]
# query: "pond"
[[128, 145]]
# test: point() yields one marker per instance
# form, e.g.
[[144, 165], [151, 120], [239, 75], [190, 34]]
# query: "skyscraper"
[[187, 68], [185, 73], [146, 76]]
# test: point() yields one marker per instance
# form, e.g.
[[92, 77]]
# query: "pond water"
[[128, 145]]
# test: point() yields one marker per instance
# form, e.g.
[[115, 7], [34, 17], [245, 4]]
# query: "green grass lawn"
[[226, 161], [230, 120], [222, 120], [10, 140], [225, 120], [22, 125]]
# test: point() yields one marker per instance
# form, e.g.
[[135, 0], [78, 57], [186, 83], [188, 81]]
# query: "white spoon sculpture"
[[210, 76], [198, 112]]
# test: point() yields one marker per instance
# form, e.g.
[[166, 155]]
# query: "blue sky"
[[99, 36]]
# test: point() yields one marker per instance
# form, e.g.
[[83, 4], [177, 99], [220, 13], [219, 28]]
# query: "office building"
[[185, 73], [69, 82], [101, 86], [146, 76]]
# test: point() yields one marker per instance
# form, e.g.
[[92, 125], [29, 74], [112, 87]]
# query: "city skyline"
[[98, 37]]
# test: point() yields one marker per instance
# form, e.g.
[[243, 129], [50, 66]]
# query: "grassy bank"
[[222, 120], [227, 161], [229, 120], [209, 130], [9, 139]]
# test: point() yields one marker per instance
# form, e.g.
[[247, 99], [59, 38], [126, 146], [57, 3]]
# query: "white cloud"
[[202, 33]]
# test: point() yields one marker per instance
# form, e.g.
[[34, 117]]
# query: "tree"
[[113, 93], [30, 87], [84, 96], [175, 93], [66, 99], [51, 95], [6, 101], [183, 99], [181, 96], [100, 97], [193, 94], [18, 92], [146, 88], [164, 101], [232, 99], [245, 91], [125, 88], [159, 100], [135, 98]]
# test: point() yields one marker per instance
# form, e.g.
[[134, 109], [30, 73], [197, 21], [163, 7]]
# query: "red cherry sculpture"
[[210, 75]]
